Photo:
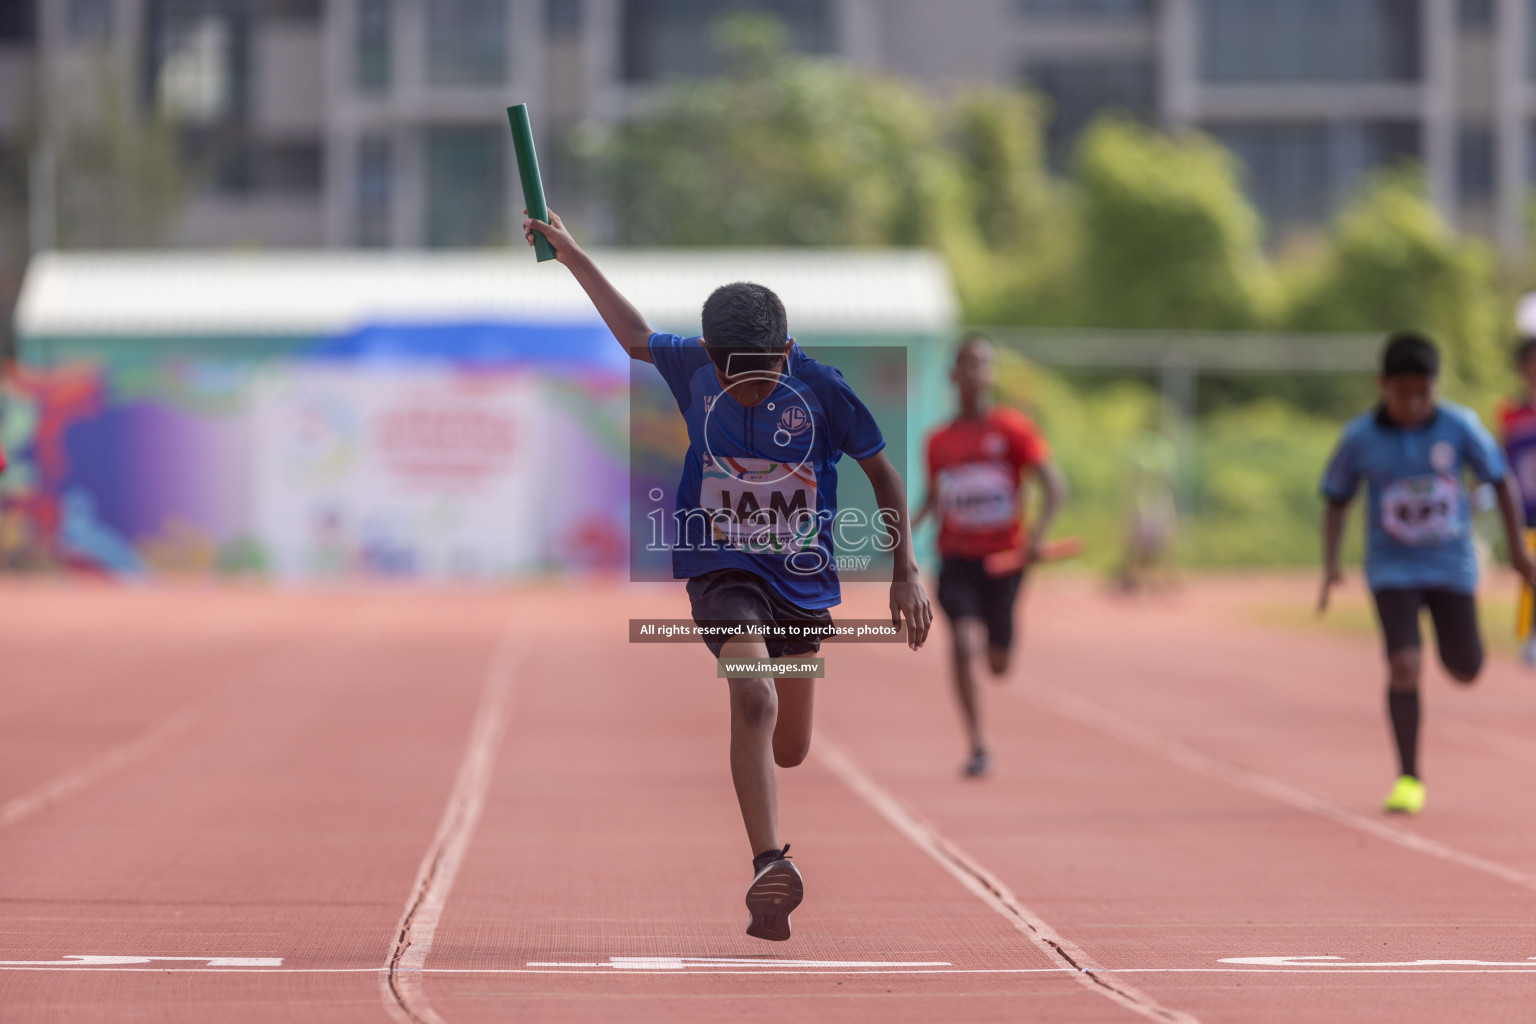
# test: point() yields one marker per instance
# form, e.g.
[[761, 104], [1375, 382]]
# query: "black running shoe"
[[775, 891], [979, 765]]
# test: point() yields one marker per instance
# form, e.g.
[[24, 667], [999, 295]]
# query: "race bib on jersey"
[[1421, 511], [978, 496], [759, 505]]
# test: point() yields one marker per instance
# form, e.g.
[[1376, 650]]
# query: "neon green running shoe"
[[1407, 797]]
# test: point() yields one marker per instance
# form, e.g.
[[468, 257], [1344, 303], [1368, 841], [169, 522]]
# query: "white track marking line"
[[57, 789], [97, 960], [120, 757], [400, 985], [681, 963], [1102, 720], [1297, 969], [991, 890]]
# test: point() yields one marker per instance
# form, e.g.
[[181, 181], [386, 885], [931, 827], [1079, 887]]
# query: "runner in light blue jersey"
[[1413, 452]]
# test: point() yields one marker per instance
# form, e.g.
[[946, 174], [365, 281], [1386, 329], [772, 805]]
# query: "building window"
[[1530, 39], [90, 20], [1478, 14], [1299, 173], [465, 182], [1310, 40], [374, 46], [199, 60], [290, 168], [563, 17], [1080, 89], [18, 21], [268, 168], [375, 192], [1084, 8], [292, 10], [1474, 162], [466, 42], [664, 38]]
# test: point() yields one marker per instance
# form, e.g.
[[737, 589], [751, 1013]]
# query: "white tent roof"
[[318, 291], [1525, 315]]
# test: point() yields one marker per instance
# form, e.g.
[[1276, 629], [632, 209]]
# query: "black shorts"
[[734, 596], [1454, 615], [967, 592]]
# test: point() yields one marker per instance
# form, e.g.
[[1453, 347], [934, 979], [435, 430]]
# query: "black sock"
[[1403, 707], [765, 858]]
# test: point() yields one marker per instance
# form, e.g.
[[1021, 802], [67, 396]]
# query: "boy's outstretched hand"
[[1521, 562], [911, 601], [1332, 577], [554, 231], [1513, 514]]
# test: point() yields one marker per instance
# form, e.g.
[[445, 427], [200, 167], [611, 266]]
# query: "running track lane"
[[612, 836], [1159, 871], [1176, 786], [609, 830], [285, 822]]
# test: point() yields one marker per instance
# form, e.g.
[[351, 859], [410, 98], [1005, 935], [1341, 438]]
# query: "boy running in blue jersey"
[[766, 427], [1412, 451]]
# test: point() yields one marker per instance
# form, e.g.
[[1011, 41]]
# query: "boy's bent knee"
[[754, 704], [967, 638], [1466, 669], [997, 659], [790, 757], [1403, 667]]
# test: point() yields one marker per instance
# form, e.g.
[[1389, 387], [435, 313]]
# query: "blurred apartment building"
[[380, 122]]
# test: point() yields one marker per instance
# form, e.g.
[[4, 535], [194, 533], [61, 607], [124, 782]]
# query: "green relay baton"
[[528, 170]]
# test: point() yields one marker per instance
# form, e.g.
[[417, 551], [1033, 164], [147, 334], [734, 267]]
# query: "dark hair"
[[743, 317], [968, 339], [1524, 349], [1410, 354]]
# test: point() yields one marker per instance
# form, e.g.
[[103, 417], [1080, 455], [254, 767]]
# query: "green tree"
[[1022, 268], [785, 150], [118, 178], [1391, 263], [1169, 240]]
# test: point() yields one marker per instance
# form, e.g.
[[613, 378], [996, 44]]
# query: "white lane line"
[[207, 970], [1297, 969], [992, 891], [1102, 720], [97, 960], [114, 760], [400, 985], [681, 963], [1338, 961], [53, 791]]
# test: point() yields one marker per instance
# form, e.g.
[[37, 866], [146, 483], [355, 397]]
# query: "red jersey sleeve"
[[1027, 446]]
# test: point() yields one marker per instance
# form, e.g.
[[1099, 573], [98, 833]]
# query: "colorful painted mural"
[[464, 451]]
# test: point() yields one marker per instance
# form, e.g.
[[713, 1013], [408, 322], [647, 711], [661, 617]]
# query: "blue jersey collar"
[[1388, 423]]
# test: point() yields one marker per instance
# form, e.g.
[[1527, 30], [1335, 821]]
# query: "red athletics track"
[[455, 806]]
